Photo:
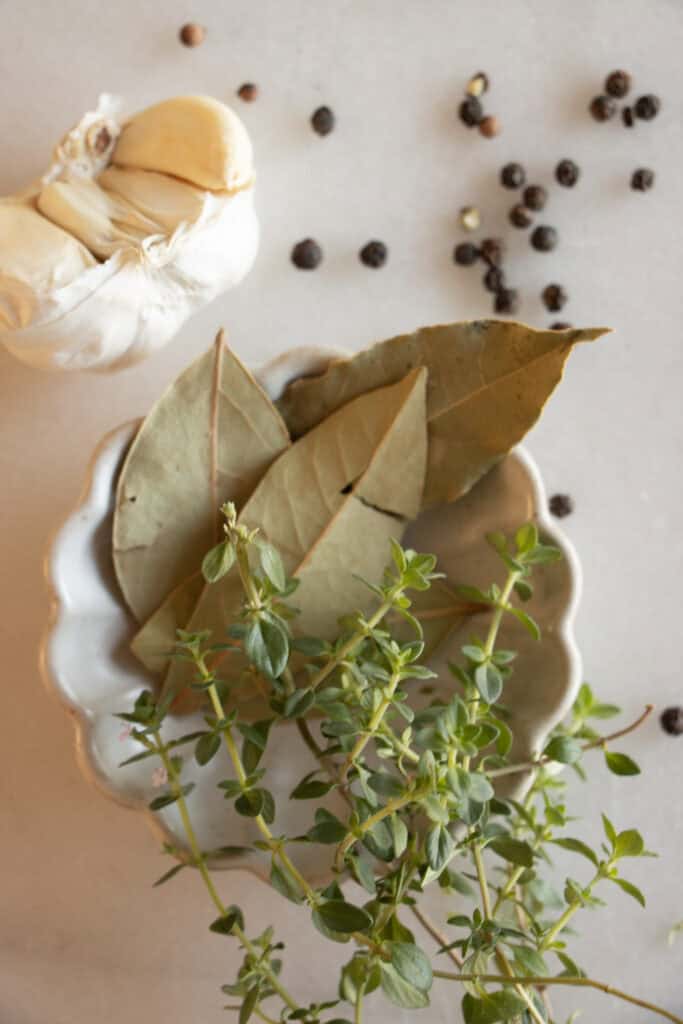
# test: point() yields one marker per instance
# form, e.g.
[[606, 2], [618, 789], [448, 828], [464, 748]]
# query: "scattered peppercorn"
[[567, 173], [374, 254], [671, 721], [248, 92], [560, 325], [192, 34], [646, 107], [643, 179], [465, 254], [494, 279], [521, 216], [322, 121], [617, 84], [307, 254], [493, 250], [544, 238], [489, 127], [470, 218], [535, 197], [555, 297], [506, 301], [471, 111], [512, 176], [627, 117], [603, 108], [478, 84], [561, 505]]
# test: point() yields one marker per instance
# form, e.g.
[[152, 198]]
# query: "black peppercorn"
[[465, 254], [643, 179], [506, 301], [374, 254], [322, 121], [489, 127], [494, 279], [603, 108], [493, 250], [544, 238], [567, 173], [471, 111], [535, 197], [560, 325], [617, 84], [248, 92], [672, 721], [627, 117], [554, 297], [512, 176], [307, 254], [646, 107], [520, 216], [561, 505]]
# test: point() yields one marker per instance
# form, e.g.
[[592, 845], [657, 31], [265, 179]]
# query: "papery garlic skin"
[[35, 256], [168, 247]]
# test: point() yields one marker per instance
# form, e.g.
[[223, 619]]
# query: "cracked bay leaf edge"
[[209, 439], [488, 383], [329, 505]]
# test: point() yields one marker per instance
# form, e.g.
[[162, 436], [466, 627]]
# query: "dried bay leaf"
[[488, 383], [329, 505], [209, 439]]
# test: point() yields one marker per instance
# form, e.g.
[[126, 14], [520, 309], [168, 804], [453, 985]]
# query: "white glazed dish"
[[86, 659]]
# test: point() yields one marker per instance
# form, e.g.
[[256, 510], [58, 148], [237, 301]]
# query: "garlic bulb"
[[132, 228]]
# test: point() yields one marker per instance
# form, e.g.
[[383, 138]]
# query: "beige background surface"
[[82, 934]]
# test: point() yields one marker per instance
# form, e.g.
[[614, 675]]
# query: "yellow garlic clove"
[[196, 138], [35, 257], [102, 222], [165, 201]]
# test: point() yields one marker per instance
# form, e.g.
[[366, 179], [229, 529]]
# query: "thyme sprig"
[[417, 779]]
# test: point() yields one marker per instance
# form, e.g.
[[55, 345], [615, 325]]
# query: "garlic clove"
[[165, 201], [196, 138], [102, 222], [36, 257]]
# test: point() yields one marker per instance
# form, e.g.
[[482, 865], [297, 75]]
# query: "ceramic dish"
[[87, 662]]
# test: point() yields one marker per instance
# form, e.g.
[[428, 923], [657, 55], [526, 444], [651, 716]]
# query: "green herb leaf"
[[496, 1006], [248, 1004], [342, 917], [621, 764], [399, 991], [224, 925], [489, 682], [283, 883], [207, 747], [438, 847], [564, 749], [272, 565], [386, 785], [170, 797], [298, 703], [168, 875], [631, 889], [218, 562], [412, 964], [267, 646], [311, 789], [327, 829], [530, 961], [577, 846], [610, 830], [629, 844], [516, 851]]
